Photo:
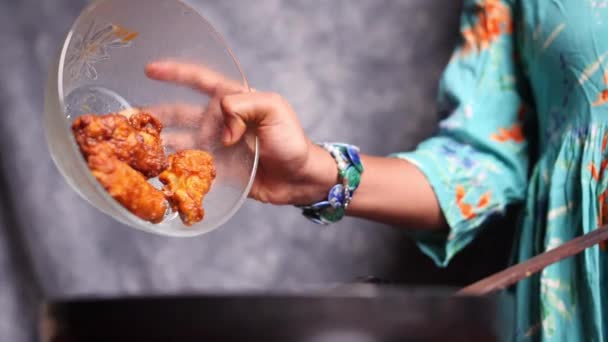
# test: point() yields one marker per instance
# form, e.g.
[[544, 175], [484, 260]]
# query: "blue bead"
[[353, 155], [320, 205], [336, 196]]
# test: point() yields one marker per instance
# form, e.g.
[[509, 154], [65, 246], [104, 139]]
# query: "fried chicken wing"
[[134, 140], [150, 155], [129, 187], [124, 149], [187, 180]]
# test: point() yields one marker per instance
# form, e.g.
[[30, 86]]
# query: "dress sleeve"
[[477, 163]]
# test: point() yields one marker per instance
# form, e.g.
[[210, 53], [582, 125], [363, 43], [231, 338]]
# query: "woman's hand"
[[292, 170]]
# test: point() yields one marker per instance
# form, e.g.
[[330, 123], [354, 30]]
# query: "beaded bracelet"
[[350, 169]]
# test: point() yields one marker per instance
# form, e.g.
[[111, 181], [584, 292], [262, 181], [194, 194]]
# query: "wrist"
[[318, 175], [349, 169]]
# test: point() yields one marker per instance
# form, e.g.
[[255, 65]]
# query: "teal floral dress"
[[525, 98]]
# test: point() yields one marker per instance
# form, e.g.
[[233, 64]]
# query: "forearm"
[[395, 192], [392, 191]]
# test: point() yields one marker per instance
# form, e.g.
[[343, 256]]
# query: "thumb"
[[248, 109]]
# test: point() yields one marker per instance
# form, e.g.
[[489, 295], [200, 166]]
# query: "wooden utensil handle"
[[514, 274]]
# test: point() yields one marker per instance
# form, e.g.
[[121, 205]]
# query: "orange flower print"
[[514, 133], [460, 192], [493, 19], [484, 200], [602, 98], [602, 205], [603, 95], [468, 210], [594, 173]]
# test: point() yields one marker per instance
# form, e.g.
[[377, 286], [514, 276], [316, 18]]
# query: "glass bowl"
[[100, 70]]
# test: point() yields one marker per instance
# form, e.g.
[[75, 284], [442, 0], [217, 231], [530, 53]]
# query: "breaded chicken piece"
[[135, 140], [187, 180], [129, 187]]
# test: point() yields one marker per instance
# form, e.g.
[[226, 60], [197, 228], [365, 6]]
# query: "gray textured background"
[[365, 70]]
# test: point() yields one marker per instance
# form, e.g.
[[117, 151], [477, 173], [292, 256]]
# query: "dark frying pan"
[[358, 313]]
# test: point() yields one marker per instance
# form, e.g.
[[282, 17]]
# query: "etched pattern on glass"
[[94, 46]]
